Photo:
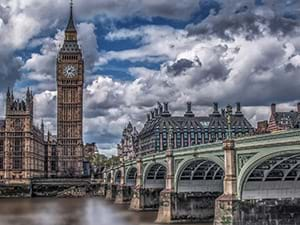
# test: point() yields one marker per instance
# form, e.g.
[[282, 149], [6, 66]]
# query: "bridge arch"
[[271, 174], [117, 177], [154, 175], [201, 174], [131, 175]]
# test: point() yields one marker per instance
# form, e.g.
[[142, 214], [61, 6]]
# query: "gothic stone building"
[[189, 129], [128, 147], [22, 152], [51, 156]]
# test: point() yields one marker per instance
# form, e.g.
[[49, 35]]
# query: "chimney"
[[216, 107], [273, 108], [238, 109], [148, 117], [152, 115], [298, 107], [216, 110], [223, 112], [160, 108], [189, 112], [156, 112], [189, 106], [166, 112], [166, 107]]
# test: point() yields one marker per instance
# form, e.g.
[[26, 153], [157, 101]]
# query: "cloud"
[[249, 19], [158, 44]]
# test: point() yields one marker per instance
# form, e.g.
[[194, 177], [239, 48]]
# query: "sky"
[[139, 52]]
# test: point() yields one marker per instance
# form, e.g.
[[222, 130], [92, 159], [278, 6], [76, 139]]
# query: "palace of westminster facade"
[[25, 152]]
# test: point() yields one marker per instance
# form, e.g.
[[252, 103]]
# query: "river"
[[80, 211]]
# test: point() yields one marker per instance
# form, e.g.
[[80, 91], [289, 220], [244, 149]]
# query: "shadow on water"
[[83, 211]]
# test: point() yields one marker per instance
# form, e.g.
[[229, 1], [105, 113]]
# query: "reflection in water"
[[85, 211]]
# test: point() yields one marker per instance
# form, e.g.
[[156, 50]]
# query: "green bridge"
[[251, 180]]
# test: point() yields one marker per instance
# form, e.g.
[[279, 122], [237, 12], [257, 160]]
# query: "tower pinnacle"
[[71, 26]]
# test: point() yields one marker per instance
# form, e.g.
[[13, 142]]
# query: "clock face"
[[70, 71]]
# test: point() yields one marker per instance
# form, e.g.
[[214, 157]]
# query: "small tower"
[[43, 127], [8, 100]]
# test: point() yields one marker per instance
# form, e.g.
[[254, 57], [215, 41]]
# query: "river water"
[[81, 211]]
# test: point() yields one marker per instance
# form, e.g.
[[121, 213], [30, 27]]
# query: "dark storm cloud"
[[180, 66], [4, 14], [9, 69], [246, 20]]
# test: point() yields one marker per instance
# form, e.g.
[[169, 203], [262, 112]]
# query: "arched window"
[[157, 139], [185, 137], [192, 134], [165, 138], [199, 134], [178, 137]]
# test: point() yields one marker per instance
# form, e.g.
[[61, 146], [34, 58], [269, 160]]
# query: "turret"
[[42, 127], [8, 100], [15, 106]]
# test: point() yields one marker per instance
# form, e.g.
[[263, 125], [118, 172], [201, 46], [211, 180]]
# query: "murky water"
[[84, 211]]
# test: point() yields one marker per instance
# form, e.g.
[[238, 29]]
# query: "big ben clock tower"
[[70, 79]]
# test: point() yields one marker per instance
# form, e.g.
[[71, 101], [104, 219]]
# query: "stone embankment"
[[60, 188]]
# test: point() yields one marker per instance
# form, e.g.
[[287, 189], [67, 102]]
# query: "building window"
[[193, 142], [185, 137], [17, 154], [1, 154], [53, 151], [199, 136], [157, 139], [206, 135], [165, 138], [178, 138], [53, 165]]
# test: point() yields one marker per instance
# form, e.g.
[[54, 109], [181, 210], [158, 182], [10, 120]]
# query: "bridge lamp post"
[[227, 204]]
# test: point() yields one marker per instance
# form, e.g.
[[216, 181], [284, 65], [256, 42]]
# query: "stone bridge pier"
[[103, 185], [191, 190], [149, 183], [111, 190], [126, 185]]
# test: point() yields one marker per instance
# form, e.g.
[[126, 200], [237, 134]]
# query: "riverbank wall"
[[61, 188]]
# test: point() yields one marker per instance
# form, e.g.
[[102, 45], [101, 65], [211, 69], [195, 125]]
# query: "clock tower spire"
[[71, 33], [70, 80]]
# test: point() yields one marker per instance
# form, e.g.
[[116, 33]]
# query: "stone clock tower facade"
[[70, 80]]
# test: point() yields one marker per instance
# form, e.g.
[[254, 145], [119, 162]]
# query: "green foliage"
[[100, 160]]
